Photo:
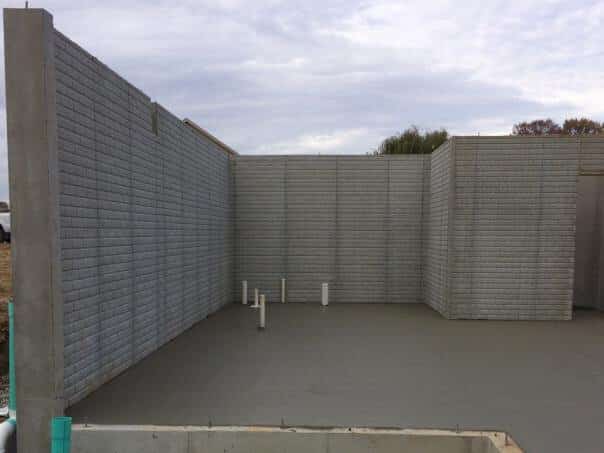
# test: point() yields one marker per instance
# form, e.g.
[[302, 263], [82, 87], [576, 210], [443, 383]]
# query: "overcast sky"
[[324, 76]]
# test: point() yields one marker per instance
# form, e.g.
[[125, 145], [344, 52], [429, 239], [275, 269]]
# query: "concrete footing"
[[250, 439]]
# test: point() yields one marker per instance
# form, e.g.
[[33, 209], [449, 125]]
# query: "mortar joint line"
[[131, 228], [388, 225], [476, 181], [236, 239], [285, 230], [336, 272], [423, 242], [100, 346], [537, 277], [598, 246]]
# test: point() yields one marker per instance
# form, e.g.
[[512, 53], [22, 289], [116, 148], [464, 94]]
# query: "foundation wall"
[[514, 223], [123, 231], [241, 439], [354, 222], [146, 227]]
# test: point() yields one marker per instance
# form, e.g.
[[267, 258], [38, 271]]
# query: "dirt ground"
[[6, 292]]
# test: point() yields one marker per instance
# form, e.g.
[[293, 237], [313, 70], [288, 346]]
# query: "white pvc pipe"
[[244, 292], [255, 298], [282, 290], [324, 294], [7, 428], [262, 324]]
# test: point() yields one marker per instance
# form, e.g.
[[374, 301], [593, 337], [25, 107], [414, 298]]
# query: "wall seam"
[[472, 248], [336, 273], [450, 303], [285, 238], [423, 242], [131, 228], [99, 346], [536, 286], [388, 226]]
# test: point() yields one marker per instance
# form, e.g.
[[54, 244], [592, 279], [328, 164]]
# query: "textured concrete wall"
[[436, 266], [514, 225], [145, 220], [352, 221]]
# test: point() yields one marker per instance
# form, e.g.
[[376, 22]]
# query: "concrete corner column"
[[33, 170]]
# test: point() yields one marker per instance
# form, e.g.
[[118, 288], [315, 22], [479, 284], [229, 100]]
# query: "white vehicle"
[[4, 227]]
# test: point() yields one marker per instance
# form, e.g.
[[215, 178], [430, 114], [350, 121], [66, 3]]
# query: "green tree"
[[537, 127], [572, 126], [412, 141], [582, 126]]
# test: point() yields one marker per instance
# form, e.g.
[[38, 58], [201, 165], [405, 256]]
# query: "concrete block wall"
[[436, 249], [146, 222], [514, 225], [352, 221]]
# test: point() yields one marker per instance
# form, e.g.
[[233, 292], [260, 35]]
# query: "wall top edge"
[[332, 156], [204, 133], [560, 138]]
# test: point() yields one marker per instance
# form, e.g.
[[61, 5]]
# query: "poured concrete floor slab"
[[372, 365]]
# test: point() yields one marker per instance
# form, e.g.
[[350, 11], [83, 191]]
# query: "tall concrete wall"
[[514, 224], [145, 221], [123, 222], [352, 221]]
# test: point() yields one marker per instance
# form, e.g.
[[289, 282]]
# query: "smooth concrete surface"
[[372, 365], [33, 170], [252, 439]]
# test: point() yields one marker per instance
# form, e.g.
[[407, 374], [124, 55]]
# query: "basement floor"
[[372, 365]]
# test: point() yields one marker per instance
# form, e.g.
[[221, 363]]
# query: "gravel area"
[[5, 293], [3, 390]]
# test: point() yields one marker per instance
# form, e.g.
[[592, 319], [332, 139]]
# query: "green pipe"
[[60, 433], [12, 392]]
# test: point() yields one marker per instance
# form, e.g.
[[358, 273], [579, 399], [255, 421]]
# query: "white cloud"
[[336, 76], [332, 142]]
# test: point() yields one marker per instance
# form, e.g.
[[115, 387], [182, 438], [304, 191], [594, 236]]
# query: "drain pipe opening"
[[282, 290], [325, 294], [255, 298], [244, 292], [262, 323]]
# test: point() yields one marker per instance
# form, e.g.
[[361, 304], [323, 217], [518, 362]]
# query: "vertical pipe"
[[282, 290], [60, 435], [12, 395], [255, 298], [325, 294], [244, 292], [262, 324]]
